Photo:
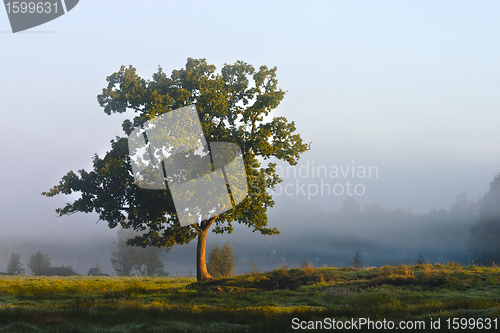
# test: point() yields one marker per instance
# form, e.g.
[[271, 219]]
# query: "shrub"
[[60, 271], [308, 267], [221, 261]]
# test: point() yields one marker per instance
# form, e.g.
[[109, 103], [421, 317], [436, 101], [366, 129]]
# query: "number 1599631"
[[40, 7], [472, 323]]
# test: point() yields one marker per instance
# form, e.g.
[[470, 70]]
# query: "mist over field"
[[308, 234]]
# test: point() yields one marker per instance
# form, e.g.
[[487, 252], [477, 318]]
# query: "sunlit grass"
[[264, 302], [57, 286]]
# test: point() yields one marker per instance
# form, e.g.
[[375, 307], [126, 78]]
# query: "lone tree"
[[221, 261], [358, 259], [233, 106], [14, 266]]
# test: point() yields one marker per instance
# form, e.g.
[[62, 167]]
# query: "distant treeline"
[[468, 232], [38, 264], [128, 260]]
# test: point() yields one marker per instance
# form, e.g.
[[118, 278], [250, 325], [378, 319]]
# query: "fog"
[[307, 235], [407, 89]]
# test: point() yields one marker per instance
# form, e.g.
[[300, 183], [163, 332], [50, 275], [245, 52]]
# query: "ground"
[[265, 302]]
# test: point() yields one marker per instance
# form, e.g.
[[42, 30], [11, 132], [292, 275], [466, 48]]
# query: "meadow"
[[260, 302]]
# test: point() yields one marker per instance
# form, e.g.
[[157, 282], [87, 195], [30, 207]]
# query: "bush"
[[162, 272], [221, 261], [60, 271]]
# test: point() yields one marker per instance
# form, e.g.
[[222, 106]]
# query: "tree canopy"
[[233, 106]]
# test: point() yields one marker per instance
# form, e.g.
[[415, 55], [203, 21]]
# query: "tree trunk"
[[201, 262]]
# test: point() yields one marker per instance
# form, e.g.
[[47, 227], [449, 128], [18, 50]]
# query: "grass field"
[[265, 302]]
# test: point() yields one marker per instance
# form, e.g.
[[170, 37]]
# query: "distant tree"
[[350, 208], [463, 208], [14, 266], [39, 263], [420, 260], [358, 259], [253, 269], [144, 261], [221, 261], [485, 241]]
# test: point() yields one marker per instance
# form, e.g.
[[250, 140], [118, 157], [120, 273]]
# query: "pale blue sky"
[[411, 87]]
